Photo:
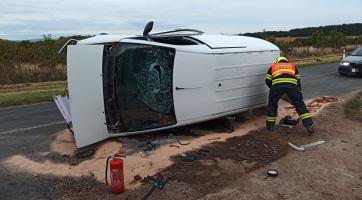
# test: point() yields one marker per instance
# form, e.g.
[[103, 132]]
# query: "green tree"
[[47, 37], [318, 39], [337, 39]]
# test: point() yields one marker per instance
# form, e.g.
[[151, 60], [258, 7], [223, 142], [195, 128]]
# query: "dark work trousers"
[[296, 98]]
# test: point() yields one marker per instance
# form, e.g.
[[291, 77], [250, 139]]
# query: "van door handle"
[[182, 88]]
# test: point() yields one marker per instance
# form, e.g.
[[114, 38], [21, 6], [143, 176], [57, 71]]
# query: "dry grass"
[[13, 73], [317, 60], [354, 107], [287, 39]]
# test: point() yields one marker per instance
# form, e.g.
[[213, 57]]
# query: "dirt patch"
[[219, 163]]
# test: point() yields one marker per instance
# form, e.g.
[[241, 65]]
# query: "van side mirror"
[[148, 29]]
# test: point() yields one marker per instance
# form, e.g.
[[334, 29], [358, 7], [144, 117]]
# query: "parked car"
[[352, 64], [122, 85]]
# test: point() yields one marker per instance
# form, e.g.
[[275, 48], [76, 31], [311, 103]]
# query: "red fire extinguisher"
[[116, 171]]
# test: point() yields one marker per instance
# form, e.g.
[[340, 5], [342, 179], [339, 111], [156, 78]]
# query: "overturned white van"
[[121, 85]]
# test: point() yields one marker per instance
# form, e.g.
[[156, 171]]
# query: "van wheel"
[[240, 117]]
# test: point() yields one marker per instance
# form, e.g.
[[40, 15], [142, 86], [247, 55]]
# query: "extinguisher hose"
[[106, 172]]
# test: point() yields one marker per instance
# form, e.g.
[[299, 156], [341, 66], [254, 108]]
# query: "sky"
[[30, 19]]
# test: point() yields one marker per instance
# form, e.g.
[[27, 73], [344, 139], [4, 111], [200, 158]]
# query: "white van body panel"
[[205, 85]]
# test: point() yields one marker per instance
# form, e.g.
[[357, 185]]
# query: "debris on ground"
[[137, 178], [203, 152], [317, 104], [305, 146], [272, 172], [183, 143], [188, 158], [288, 121], [212, 139], [85, 152], [148, 146], [157, 182]]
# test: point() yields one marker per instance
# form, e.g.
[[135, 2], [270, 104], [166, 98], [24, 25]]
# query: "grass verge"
[[21, 94], [317, 60], [354, 107]]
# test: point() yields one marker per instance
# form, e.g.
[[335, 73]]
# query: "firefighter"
[[283, 78]]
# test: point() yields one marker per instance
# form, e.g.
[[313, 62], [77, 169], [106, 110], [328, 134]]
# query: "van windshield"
[[143, 86]]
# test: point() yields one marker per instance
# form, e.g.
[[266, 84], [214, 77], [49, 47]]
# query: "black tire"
[[240, 117]]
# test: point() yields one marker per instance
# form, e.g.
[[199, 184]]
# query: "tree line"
[[42, 51], [346, 29], [26, 61]]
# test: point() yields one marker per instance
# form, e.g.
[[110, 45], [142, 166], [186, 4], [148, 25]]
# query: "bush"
[[25, 61]]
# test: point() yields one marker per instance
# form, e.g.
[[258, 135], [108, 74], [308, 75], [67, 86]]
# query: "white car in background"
[[352, 64]]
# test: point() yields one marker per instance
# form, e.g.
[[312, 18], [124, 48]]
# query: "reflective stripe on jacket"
[[283, 74]]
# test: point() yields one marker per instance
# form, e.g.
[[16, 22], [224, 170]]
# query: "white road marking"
[[31, 128]]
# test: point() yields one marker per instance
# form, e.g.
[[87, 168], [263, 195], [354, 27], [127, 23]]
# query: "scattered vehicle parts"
[[148, 146], [84, 152], [288, 121], [305, 146], [183, 143], [272, 172], [157, 182], [203, 152], [188, 158]]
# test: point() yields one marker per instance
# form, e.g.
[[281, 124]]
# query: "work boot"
[[310, 129], [270, 127]]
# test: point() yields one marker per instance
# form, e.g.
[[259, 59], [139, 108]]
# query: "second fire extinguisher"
[[116, 171]]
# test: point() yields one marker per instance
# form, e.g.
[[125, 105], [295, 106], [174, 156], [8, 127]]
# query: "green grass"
[[21, 94], [31, 97], [354, 107]]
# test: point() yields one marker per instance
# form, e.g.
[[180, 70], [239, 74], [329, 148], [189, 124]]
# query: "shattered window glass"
[[155, 81], [144, 86]]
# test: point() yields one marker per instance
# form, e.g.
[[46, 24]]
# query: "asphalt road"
[[318, 80]]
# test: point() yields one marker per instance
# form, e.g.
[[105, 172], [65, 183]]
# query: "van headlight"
[[345, 64]]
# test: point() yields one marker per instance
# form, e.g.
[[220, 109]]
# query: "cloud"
[[32, 18]]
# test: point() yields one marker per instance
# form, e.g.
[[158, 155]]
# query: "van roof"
[[212, 41]]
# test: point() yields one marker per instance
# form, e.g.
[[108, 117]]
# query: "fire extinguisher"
[[116, 172]]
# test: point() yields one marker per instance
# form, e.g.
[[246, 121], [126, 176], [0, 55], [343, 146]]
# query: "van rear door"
[[84, 70]]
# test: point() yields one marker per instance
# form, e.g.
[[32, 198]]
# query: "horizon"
[[34, 18], [57, 37]]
